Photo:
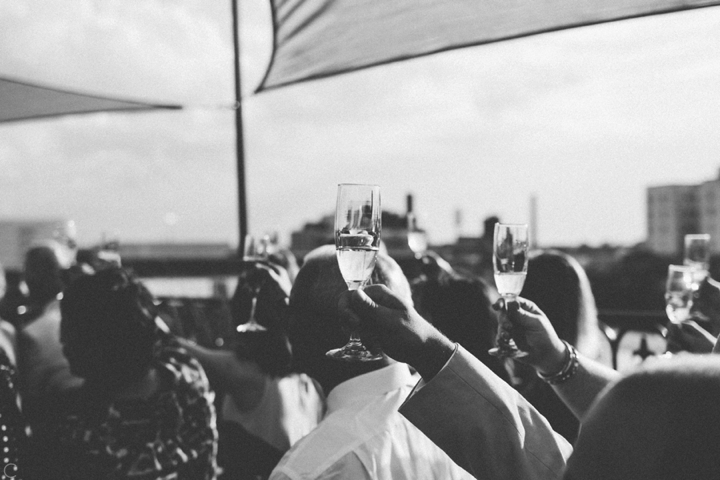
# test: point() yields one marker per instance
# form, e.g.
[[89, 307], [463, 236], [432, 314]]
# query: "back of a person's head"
[[43, 273], [108, 328], [659, 423], [315, 326], [460, 306], [559, 286]]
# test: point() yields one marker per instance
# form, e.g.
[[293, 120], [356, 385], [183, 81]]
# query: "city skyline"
[[585, 120]]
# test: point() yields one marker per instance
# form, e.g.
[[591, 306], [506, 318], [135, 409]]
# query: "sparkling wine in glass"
[[697, 256], [679, 292], [357, 240], [254, 251], [510, 264]]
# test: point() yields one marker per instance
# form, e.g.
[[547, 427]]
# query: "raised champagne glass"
[[254, 251], [510, 264], [679, 292], [357, 240]]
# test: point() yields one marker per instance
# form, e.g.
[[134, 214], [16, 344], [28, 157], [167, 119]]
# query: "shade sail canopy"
[[320, 38], [20, 100]]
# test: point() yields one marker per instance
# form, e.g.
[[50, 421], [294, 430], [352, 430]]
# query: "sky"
[[583, 119]]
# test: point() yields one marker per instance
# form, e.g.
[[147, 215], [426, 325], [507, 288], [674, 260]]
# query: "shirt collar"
[[372, 384]]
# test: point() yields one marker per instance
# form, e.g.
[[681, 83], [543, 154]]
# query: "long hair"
[[559, 286], [108, 328]]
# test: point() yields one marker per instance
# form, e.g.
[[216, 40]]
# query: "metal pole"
[[242, 197]]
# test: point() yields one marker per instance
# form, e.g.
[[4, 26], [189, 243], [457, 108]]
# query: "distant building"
[[312, 235], [672, 212], [175, 251], [709, 212], [394, 236], [676, 210]]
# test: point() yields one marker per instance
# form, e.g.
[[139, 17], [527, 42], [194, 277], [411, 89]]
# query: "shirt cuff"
[[422, 381]]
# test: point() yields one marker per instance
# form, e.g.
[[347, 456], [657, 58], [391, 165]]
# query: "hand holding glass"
[[510, 263], [679, 292], [357, 240], [253, 251]]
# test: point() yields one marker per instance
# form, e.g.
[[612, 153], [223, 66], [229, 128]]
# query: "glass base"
[[507, 352], [354, 351], [250, 327]]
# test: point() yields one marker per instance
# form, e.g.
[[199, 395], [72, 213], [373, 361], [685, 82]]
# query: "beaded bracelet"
[[568, 370]]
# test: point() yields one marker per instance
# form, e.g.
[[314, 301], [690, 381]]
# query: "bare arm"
[[479, 420], [547, 354], [243, 380]]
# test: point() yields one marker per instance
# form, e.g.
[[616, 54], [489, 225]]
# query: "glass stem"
[[253, 305]]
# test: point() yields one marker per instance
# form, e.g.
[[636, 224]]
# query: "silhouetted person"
[[144, 408], [362, 434]]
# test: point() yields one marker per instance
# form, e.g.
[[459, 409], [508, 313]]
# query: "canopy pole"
[[240, 147]]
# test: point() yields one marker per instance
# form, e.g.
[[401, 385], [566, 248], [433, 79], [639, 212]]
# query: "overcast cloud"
[[586, 119]]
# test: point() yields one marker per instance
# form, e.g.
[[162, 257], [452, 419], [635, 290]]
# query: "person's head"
[[659, 423], [460, 306], [108, 328], [559, 286], [315, 325], [43, 272]]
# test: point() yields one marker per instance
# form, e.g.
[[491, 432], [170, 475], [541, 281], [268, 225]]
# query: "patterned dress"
[[12, 426], [170, 435]]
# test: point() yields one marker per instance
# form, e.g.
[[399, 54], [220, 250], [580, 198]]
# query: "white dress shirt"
[[290, 408], [364, 437]]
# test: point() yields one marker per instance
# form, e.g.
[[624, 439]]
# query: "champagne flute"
[[697, 256], [253, 251], [357, 240], [510, 264], [679, 292]]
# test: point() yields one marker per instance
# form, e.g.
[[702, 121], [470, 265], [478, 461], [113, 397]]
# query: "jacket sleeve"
[[484, 425]]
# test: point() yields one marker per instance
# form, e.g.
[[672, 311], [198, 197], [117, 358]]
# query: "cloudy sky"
[[585, 119]]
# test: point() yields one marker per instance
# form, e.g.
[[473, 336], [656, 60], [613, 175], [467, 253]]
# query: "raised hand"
[[382, 318], [534, 334]]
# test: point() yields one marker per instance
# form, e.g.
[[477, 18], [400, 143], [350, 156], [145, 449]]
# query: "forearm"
[[243, 380], [430, 357], [579, 391]]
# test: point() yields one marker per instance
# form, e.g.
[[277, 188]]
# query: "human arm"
[[382, 318], [271, 285], [688, 336], [243, 380], [547, 354], [481, 422]]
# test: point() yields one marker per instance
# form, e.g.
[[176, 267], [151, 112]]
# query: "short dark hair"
[[108, 327], [43, 273], [315, 325], [659, 422]]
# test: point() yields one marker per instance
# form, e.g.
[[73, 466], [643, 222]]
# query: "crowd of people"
[[97, 381]]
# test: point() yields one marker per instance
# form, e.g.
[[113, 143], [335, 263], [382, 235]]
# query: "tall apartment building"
[[676, 210], [709, 210]]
